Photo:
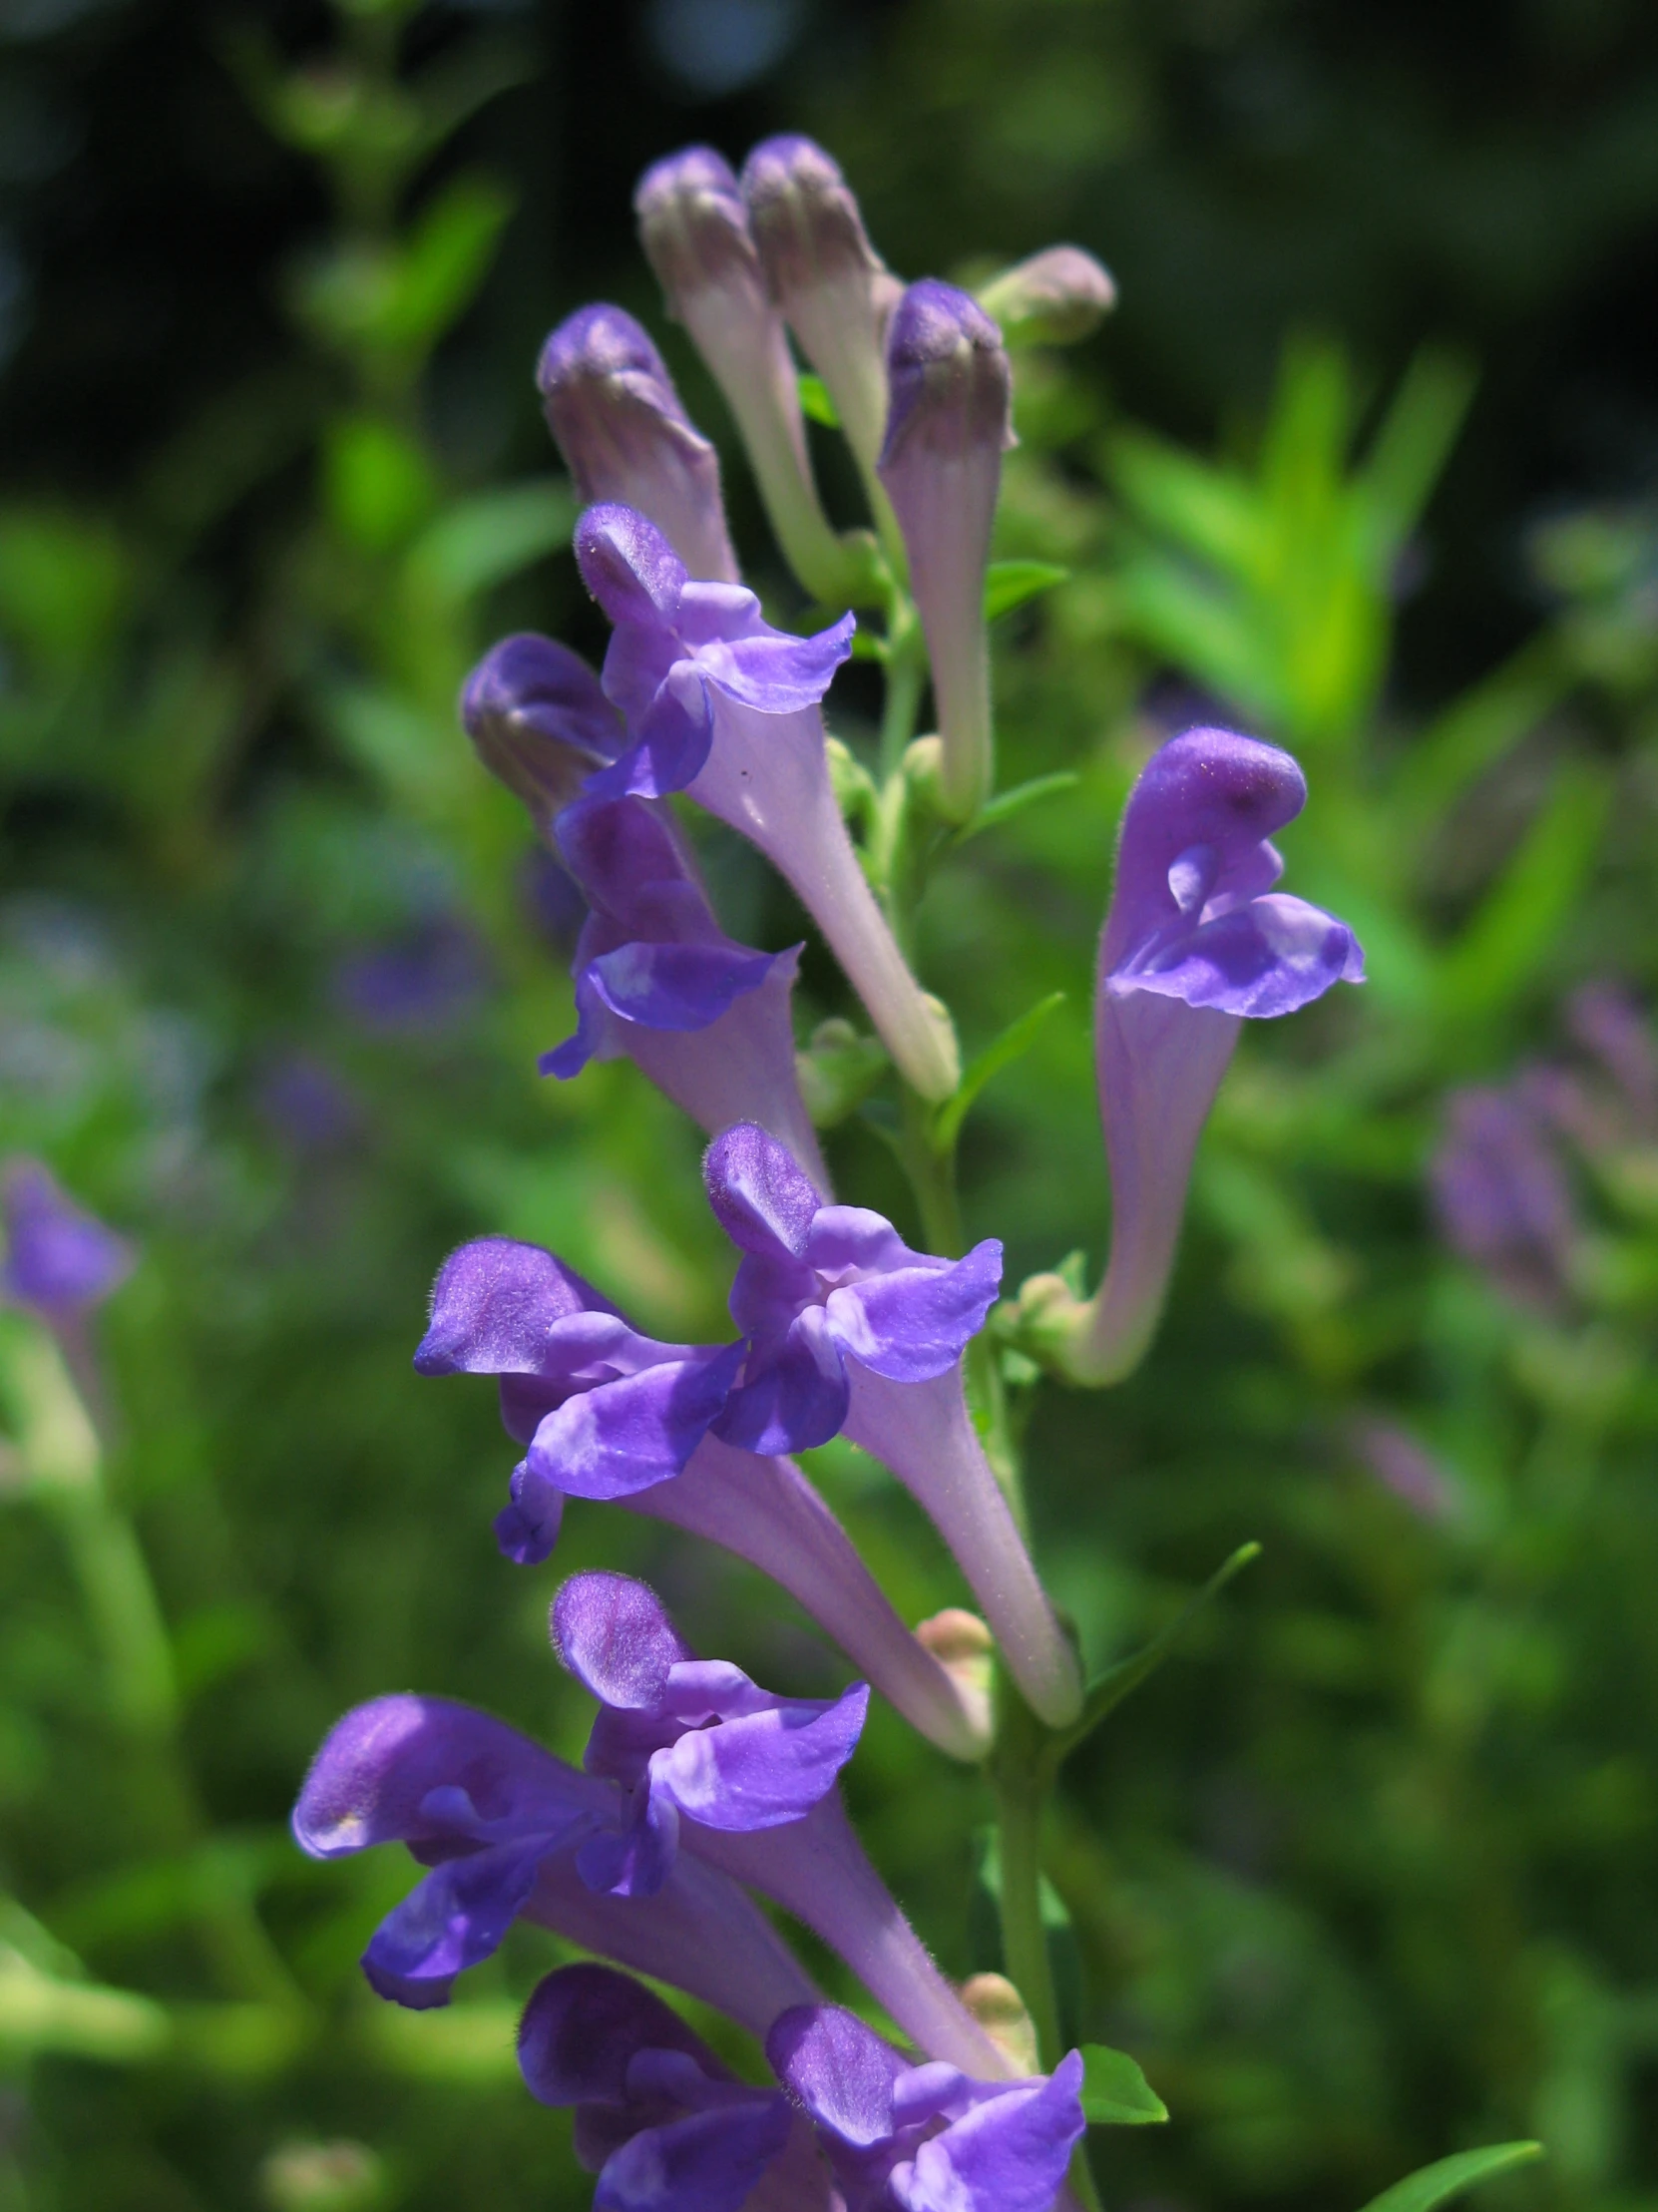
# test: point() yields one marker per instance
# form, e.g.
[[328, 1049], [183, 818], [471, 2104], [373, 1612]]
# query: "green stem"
[[906, 680]]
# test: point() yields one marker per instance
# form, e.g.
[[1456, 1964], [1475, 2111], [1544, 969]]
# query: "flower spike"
[[940, 462], [616, 419], [725, 707], [1196, 941], [694, 231]]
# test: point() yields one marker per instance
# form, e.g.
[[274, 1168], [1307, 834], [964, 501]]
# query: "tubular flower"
[[689, 1739], [616, 419], [694, 231], [539, 722], [664, 2126], [498, 1822], [727, 708], [1195, 942], [60, 1261], [848, 1328], [656, 978], [941, 463], [904, 2138]]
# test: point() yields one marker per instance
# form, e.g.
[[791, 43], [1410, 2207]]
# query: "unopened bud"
[[539, 722], [1055, 297], [1000, 2011], [694, 231], [824, 274], [941, 464], [611, 406]]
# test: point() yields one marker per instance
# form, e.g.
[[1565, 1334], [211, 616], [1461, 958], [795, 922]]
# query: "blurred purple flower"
[[1404, 1467], [705, 1019], [662, 2124], [1501, 1195], [929, 2139], [687, 1739], [306, 1102], [60, 1261], [425, 983]]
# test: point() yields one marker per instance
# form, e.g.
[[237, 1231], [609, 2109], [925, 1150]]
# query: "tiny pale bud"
[[1055, 297]]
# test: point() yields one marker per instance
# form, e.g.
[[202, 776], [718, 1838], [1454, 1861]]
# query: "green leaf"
[[1447, 2177], [444, 261], [1009, 584], [1016, 1039], [1007, 805], [485, 540], [1114, 2092], [1109, 1689], [380, 485], [815, 403]]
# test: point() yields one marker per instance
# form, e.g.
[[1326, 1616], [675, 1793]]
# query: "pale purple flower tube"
[[941, 463], [616, 419], [848, 1329], [514, 1311], [763, 1779], [1196, 941], [695, 230], [498, 1823], [656, 978], [727, 708], [929, 2139]]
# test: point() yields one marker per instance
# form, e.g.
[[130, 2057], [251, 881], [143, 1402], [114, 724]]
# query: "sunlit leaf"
[[1115, 2093], [1447, 2177]]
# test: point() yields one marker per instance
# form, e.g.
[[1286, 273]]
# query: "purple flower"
[[422, 983], [1054, 298], [539, 722], [847, 1328], [59, 1260], [689, 1739], [618, 422], [307, 1103], [498, 1822], [662, 2124], [694, 231], [603, 1410], [723, 707], [1195, 940], [941, 463], [1502, 1197], [659, 980], [931, 2138], [827, 279]]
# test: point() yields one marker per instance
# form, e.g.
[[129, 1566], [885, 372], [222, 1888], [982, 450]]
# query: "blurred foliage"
[[1365, 1874]]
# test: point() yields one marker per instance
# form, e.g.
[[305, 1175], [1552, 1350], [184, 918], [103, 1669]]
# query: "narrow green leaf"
[[1114, 2092], [1009, 584], [483, 540], [815, 403], [1016, 1039], [1110, 1688], [1447, 2177], [1007, 805]]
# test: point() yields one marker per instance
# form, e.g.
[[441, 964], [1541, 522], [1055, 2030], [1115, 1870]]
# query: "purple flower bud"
[[848, 1329], [498, 1821], [949, 424], [1195, 941], [514, 1311], [59, 1261], [1503, 1199], [656, 978], [904, 2138], [662, 2124], [617, 420], [725, 706], [1055, 298], [824, 274], [689, 1740], [695, 230], [539, 722], [754, 1778]]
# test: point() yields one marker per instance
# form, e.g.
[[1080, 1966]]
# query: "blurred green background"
[[1365, 462]]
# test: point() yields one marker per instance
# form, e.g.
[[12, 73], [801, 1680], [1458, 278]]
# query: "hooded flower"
[[847, 1328], [664, 2126], [1196, 941], [539, 722], [59, 1260], [617, 420], [904, 2138], [603, 1410], [498, 1821], [689, 1739], [721, 704], [657, 979]]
